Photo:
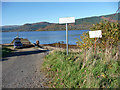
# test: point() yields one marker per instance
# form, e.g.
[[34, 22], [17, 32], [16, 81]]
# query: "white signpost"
[[95, 34], [66, 21]]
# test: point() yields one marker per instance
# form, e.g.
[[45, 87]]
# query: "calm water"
[[45, 37]]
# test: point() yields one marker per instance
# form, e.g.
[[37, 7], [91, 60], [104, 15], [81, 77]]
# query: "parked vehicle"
[[17, 43]]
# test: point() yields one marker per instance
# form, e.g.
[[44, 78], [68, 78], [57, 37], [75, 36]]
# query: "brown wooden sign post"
[[95, 46], [95, 34]]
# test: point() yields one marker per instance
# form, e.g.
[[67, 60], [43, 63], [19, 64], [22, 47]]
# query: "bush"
[[110, 35]]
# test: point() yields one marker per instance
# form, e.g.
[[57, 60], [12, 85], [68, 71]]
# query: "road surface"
[[22, 69]]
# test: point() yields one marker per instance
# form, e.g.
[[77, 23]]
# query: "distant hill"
[[55, 27], [95, 19], [26, 27], [10, 28], [80, 24]]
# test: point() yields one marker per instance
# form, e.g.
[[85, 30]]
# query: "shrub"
[[110, 35]]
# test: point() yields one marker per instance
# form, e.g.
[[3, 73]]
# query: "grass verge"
[[73, 71], [4, 51]]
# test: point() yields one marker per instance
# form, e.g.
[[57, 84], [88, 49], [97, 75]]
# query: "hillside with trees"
[[80, 24]]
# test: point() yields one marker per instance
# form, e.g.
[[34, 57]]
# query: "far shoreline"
[[41, 30]]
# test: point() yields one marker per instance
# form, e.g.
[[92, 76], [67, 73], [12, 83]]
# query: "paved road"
[[22, 69]]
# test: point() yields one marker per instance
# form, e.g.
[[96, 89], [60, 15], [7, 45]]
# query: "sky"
[[19, 13]]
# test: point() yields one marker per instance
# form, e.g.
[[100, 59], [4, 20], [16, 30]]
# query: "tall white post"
[[66, 39], [66, 20]]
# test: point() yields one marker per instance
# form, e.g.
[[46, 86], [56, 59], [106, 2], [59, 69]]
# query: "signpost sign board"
[[95, 34], [66, 21]]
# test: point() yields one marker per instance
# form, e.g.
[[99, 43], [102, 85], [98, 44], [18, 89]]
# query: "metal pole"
[[66, 39]]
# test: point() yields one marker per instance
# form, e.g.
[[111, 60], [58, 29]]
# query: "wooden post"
[[95, 46]]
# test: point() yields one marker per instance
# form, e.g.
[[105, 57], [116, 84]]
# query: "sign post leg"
[[66, 21], [66, 39], [95, 46]]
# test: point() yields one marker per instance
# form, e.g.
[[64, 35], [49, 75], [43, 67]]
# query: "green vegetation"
[[98, 71], [4, 51], [110, 35], [88, 69]]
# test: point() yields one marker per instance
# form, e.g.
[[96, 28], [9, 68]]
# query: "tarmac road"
[[22, 69]]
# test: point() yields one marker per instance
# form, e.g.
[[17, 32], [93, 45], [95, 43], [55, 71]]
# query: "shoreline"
[[42, 30], [52, 45]]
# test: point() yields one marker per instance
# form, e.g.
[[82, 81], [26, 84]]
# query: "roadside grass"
[[4, 51], [97, 71]]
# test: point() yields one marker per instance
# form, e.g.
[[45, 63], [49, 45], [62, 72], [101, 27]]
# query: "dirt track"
[[22, 69]]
